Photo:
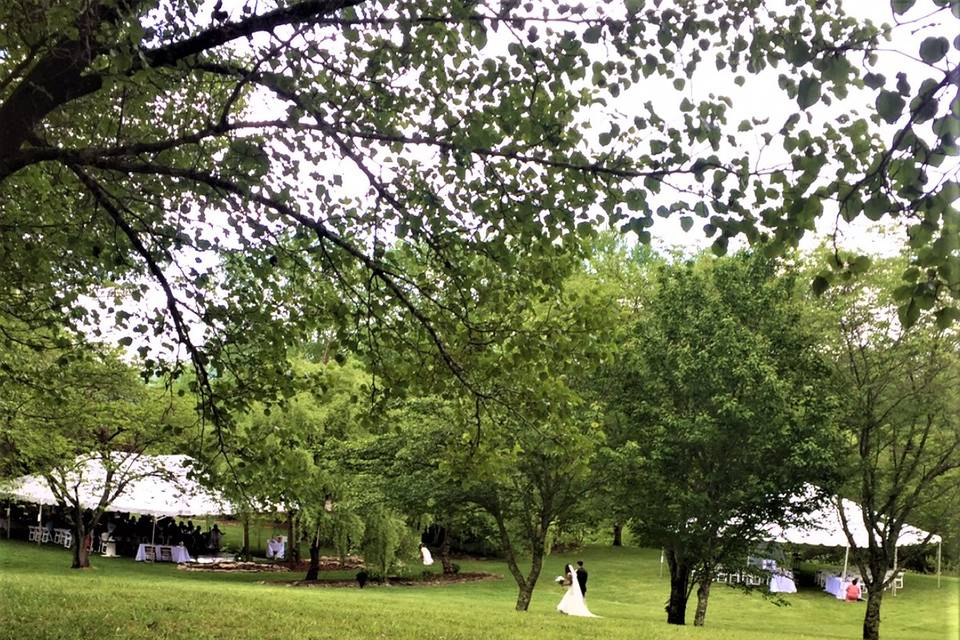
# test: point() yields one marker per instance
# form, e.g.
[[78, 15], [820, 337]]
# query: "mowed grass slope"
[[40, 598]]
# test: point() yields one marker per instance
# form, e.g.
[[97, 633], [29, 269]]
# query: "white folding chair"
[[721, 576], [66, 539], [45, 535]]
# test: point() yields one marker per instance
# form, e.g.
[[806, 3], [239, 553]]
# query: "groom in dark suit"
[[582, 578]]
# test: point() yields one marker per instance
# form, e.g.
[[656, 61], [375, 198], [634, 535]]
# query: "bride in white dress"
[[572, 602]]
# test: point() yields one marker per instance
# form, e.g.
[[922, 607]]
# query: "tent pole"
[[153, 532], [660, 574], [846, 556], [40, 523], [9, 522], [939, 550]]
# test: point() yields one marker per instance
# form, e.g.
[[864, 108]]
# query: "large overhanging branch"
[[62, 75], [377, 268]]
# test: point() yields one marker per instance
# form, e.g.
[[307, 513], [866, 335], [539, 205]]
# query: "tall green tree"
[[723, 415], [900, 378]]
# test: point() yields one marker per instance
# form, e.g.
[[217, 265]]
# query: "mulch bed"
[[435, 580], [327, 563]]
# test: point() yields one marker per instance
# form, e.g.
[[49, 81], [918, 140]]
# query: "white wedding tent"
[[824, 527], [159, 486]]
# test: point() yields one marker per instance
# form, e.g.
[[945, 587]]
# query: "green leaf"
[[876, 207], [909, 314], [592, 34], [819, 285], [874, 80], [719, 246], [860, 264], [947, 316], [808, 93], [933, 49], [686, 223], [890, 105], [900, 7]]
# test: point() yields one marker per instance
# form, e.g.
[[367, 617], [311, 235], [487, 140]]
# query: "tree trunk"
[[445, 552], [871, 619], [703, 594], [245, 552], [679, 589], [618, 535], [536, 564], [293, 547], [81, 557], [313, 572], [524, 596]]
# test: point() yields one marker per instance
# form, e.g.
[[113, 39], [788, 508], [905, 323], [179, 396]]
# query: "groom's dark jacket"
[[582, 579]]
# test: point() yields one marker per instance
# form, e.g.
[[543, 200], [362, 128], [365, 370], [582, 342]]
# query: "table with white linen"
[[782, 583], [275, 549], [178, 553], [836, 586]]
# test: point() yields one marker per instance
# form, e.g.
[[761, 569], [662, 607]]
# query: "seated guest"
[[853, 591]]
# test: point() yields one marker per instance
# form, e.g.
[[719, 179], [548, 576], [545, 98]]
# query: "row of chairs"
[[165, 554], [739, 577], [38, 534]]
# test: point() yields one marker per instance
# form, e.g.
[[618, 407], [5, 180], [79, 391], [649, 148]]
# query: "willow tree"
[[142, 142]]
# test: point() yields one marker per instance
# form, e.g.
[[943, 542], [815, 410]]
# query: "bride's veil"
[[574, 583]]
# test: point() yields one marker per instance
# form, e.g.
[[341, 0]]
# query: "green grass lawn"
[[40, 598]]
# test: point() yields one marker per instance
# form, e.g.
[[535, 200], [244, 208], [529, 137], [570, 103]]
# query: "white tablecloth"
[[178, 554], [782, 584], [275, 549], [836, 586]]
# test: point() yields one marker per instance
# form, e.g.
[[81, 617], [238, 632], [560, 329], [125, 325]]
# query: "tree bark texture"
[[313, 572], [871, 619], [445, 552], [245, 553], [293, 546], [679, 589], [703, 595], [618, 535], [81, 556]]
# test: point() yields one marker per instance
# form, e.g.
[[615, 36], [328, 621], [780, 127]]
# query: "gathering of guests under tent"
[[824, 527], [140, 520]]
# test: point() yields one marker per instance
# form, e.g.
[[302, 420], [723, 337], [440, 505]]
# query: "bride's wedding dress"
[[572, 602]]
